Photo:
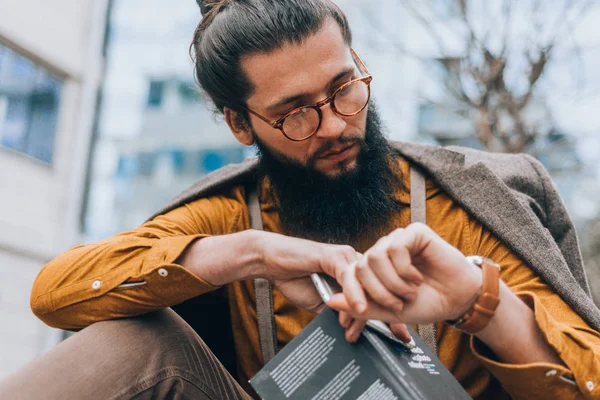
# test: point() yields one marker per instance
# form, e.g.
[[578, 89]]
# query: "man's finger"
[[386, 273], [400, 257], [345, 319], [355, 329], [376, 289], [401, 332], [337, 259], [353, 290], [373, 311]]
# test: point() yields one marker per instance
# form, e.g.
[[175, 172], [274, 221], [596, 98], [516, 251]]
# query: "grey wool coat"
[[512, 195]]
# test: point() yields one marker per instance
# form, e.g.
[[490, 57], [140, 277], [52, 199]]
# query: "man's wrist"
[[473, 282], [513, 334], [220, 260], [508, 301], [255, 241], [484, 308]]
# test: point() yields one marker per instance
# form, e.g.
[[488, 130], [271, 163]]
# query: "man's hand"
[[411, 276], [249, 254], [288, 263], [285, 257], [449, 287], [285, 261]]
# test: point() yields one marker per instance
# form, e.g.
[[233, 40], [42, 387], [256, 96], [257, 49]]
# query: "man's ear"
[[239, 126]]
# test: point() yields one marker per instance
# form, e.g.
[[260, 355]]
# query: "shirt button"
[[552, 372], [590, 385], [163, 272], [96, 284]]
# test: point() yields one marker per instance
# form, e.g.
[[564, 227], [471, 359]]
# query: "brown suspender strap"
[[263, 290], [417, 214]]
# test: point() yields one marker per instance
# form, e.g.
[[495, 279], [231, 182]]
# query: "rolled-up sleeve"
[[575, 343], [134, 272], [578, 348]]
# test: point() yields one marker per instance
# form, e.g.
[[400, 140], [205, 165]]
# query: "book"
[[319, 364]]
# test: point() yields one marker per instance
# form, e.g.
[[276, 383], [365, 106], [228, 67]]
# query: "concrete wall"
[[40, 204]]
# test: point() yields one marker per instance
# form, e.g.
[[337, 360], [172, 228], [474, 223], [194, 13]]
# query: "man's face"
[[303, 74], [337, 186]]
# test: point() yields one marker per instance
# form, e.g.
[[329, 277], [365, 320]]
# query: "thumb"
[[401, 332]]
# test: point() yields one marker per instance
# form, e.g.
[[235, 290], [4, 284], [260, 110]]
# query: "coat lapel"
[[483, 195]]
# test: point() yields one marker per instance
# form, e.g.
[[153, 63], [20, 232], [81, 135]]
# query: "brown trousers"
[[154, 356]]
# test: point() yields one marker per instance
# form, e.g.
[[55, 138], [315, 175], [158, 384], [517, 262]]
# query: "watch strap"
[[485, 307]]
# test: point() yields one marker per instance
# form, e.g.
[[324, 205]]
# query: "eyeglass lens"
[[348, 101]]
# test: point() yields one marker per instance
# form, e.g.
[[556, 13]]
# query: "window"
[[29, 99], [178, 159], [127, 167], [146, 164], [155, 93], [188, 92], [212, 161]]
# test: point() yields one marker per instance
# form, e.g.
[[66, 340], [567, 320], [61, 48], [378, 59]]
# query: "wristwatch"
[[484, 308]]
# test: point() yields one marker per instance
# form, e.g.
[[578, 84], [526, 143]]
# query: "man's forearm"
[[513, 334], [224, 259]]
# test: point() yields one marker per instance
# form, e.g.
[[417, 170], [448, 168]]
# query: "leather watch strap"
[[484, 308]]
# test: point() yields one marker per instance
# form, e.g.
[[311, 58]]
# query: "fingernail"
[[355, 336], [410, 297], [398, 307], [361, 307], [409, 339]]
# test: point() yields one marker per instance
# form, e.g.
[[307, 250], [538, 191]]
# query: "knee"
[[118, 359], [160, 337], [162, 352], [159, 326]]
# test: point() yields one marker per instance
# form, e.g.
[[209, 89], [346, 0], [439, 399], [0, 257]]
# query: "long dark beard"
[[337, 209]]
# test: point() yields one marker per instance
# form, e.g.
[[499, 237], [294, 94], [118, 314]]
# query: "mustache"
[[325, 147]]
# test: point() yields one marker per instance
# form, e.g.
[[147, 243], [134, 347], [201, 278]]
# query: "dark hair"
[[232, 29]]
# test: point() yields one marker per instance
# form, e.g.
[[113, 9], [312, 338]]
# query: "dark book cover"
[[319, 364]]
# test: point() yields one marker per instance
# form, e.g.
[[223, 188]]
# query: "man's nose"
[[332, 124]]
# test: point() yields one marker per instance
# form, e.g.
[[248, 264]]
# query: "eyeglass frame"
[[278, 123]]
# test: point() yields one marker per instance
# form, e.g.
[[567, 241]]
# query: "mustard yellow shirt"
[[81, 287]]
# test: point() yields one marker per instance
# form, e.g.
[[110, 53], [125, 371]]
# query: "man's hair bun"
[[207, 5], [232, 29]]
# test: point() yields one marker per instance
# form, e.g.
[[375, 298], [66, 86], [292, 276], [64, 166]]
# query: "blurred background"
[[101, 123]]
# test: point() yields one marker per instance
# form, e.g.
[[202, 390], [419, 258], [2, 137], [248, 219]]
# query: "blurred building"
[[171, 153], [156, 134], [50, 71]]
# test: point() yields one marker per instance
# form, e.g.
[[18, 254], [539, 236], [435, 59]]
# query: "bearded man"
[[332, 196]]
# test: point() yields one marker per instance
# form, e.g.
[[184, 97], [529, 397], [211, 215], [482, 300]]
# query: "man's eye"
[[288, 110], [345, 89], [345, 83]]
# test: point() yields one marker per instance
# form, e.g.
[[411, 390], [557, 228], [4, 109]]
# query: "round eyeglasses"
[[348, 100]]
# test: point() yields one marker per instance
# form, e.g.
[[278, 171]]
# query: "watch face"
[[479, 260]]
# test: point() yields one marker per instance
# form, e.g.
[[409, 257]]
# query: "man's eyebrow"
[[294, 98]]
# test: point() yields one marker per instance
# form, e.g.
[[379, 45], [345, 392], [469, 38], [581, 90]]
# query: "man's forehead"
[[298, 68]]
